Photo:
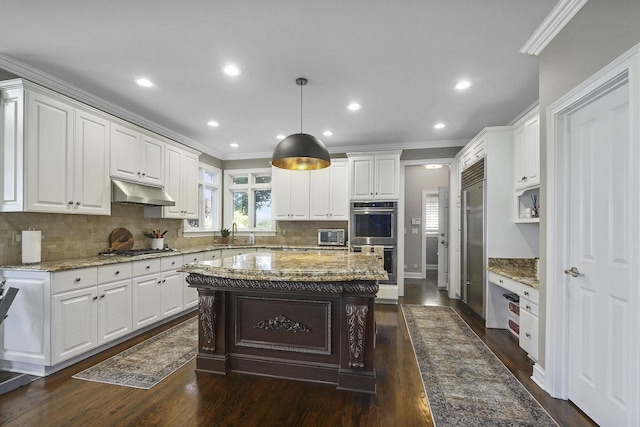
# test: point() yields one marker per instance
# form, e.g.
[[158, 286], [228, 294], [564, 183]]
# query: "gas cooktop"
[[134, 252]]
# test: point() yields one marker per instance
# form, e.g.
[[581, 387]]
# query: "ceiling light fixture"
[[438, 126], [280, 137], [327, 133], [144, 82], [234, 145], [354, 106], [213, 123], [301, 151], [231, 70], [432, 166], [463, 84]]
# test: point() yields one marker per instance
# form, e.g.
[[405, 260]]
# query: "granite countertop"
[[319, 266], [523, 270], [71, 264]]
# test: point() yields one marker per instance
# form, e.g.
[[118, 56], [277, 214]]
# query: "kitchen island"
[[298, 315]]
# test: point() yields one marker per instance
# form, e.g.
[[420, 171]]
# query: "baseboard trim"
[[538, 376], [413, 275]]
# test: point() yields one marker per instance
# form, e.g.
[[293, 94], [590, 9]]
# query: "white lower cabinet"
[[57, 316], [74, 324]]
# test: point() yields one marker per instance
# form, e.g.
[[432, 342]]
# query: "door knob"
[[573, 272]]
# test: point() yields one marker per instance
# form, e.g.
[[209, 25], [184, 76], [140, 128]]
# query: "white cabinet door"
[[171, 293], [49, 144], [290, 194], [172, 183], [190, 295], [74, 317], [125, 149], [387, 174], [529, 333], [319, 188], [12, 149], [115, 316], [189, 197], [362, 181], [146, 300], [532, 144], [91, 182], [375, 176], [329, 190], [527, 155], [151, 161]]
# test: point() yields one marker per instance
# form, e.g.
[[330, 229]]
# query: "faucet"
[[234, 228]]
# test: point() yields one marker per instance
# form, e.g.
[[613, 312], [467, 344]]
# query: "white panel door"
[[151, 161], [189, 185], [387, 184], [604, 191], [361, 178], [173, 181], [74, 329], [319, 186], [339, 191], [114, 310], [171, 293], [125, 153], [91, 182], [49, 154], [443, 237], [146, 301]]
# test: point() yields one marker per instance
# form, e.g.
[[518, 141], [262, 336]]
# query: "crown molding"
[[552, 25], [41, 78]]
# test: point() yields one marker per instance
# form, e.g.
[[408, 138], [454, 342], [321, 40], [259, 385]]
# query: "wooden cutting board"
[[120, 239]]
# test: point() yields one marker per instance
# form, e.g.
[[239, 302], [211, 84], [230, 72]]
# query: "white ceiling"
[[398, 58]]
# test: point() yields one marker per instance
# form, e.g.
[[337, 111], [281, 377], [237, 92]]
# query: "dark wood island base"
[[318, 331]]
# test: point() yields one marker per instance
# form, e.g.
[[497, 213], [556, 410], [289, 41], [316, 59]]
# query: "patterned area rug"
[[146, 364], [466, 384]]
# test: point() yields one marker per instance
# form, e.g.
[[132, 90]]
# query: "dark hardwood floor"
[[187, 398]]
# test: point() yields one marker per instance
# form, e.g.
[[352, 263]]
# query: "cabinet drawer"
[[211, 255], [524, 291], [196, 257], [113, 272], [147, 266], [529, 306], [69, 280], [171, 263]]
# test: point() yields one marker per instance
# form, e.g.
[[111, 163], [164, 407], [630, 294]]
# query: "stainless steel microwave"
[[331, 237]]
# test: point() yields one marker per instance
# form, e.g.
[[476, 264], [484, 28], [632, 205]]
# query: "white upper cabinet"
[[375, 175], [330, 198], [290, 194], [474, 151], [181, 182], [527, 153], [55, 153], [136, 156]]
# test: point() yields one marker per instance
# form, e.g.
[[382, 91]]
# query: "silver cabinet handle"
[[573, 272], [528, 335]]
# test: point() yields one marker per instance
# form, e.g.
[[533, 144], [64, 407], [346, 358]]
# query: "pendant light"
[[301, 151]]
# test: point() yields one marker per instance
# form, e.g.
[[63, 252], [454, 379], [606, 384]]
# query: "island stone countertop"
[[74, 263], [310, 266], [523, 270]]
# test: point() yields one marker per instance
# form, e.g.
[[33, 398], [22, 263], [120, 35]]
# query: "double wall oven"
[[376, 224]]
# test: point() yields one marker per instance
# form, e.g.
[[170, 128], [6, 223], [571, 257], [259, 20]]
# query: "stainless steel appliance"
[[374, 223], [472, 256], [390, 261], [331, 237]]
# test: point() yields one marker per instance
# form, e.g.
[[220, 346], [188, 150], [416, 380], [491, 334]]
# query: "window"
[[431, 213], [248, 199], [209, 201]]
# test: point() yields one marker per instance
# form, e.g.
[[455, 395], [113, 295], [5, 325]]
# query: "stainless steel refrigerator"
[[472, 274]]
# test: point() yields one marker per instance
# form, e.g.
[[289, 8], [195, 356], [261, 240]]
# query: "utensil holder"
[[157, 243]]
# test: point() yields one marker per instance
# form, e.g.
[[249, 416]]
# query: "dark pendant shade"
[[301, 151]]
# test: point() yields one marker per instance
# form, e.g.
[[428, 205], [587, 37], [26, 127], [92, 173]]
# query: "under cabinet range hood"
[[130, 193]]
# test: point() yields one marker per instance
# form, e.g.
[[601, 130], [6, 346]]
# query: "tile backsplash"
[[77, 236]]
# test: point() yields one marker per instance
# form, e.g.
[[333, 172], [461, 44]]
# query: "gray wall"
[[418, 179], [600, 32]]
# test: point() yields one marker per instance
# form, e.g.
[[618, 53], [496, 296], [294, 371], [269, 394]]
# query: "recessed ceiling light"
[[438, 126], [463, 84], [432, 166], [213, 123], [327, 133], [231, 70], [234, 145], [144, 82], [280, 137], [354, 106]]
